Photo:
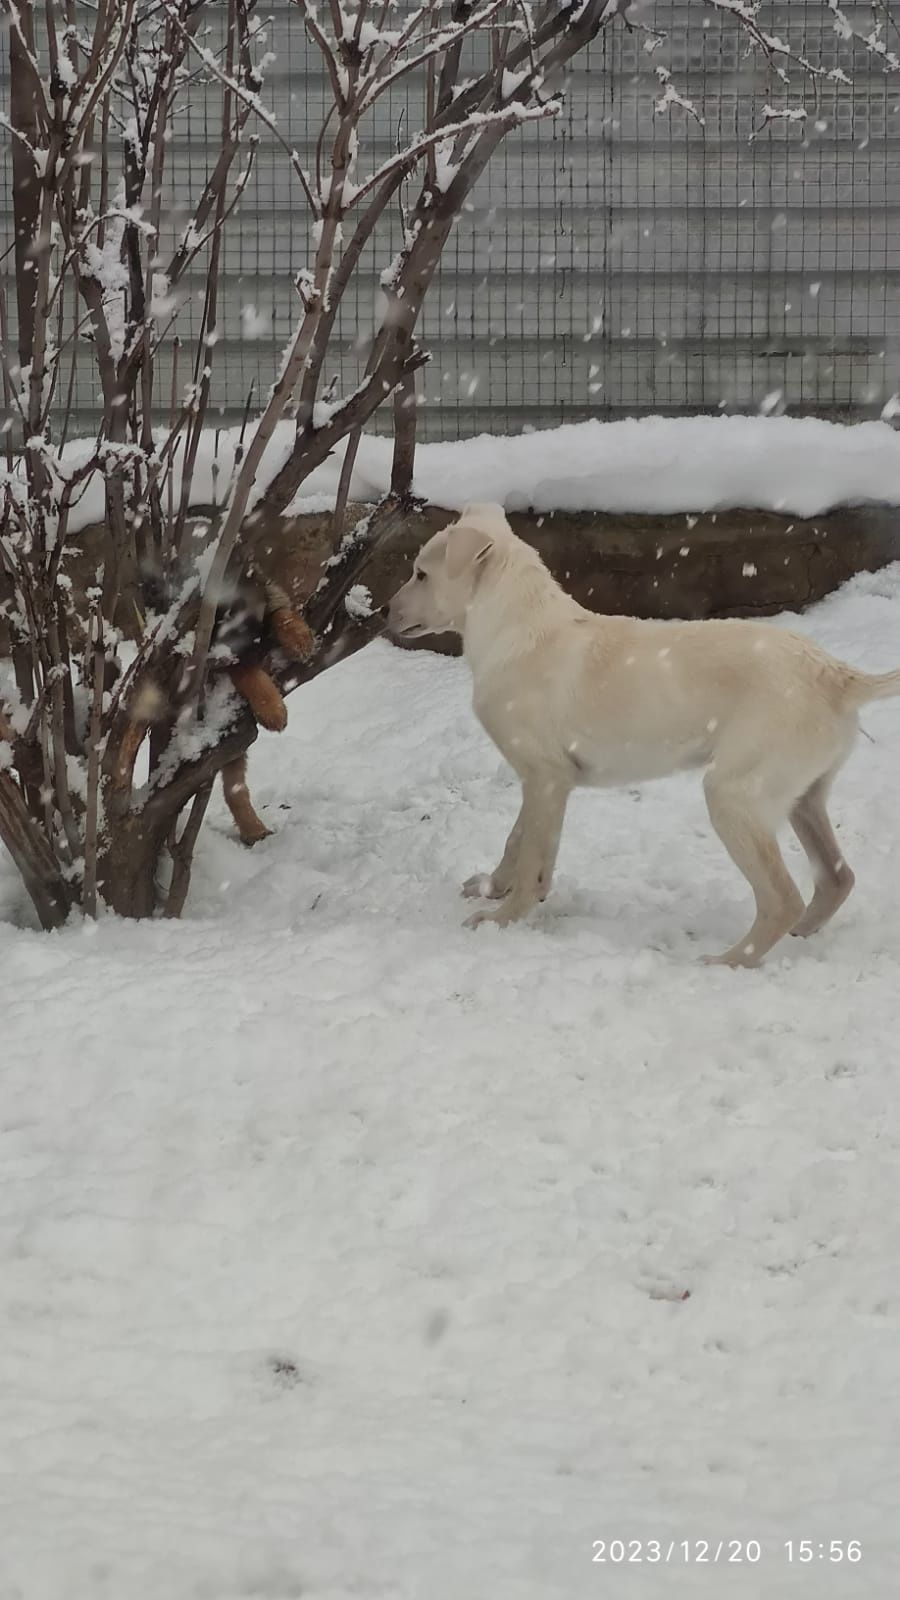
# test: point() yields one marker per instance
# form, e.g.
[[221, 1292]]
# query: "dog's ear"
[[467, 546], [489, 515]]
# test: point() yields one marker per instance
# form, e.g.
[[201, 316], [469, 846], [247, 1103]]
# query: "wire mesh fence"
[[618, 261]]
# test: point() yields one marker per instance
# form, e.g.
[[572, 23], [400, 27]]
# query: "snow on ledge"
[[799, 465]]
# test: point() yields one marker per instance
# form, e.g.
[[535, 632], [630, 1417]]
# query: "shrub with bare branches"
[[105, 770]]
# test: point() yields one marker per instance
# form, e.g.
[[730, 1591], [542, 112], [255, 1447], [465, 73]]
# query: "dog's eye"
[[421, 576]]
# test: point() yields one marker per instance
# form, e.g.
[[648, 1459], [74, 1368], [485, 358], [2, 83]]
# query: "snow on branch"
[[670, 97], [508, 116], [382, 75], [746, 13], [779, 54], [873, 41], [772, 114]]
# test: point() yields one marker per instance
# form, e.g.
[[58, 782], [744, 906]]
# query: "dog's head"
[[446, 573]]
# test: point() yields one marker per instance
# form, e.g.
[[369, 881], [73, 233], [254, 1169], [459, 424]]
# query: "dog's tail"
[[865, 686]]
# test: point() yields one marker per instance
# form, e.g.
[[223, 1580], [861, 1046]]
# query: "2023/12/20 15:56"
[[716, 1551]]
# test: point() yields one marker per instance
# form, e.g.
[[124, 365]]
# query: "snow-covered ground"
[[342, 1249]]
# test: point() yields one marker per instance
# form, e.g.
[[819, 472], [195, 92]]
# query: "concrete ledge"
[[719, 564], [724, 564]]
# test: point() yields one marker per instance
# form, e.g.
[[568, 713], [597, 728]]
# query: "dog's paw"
[[737, 959], [251, 836], [480, 887], [501, 917], [478, 918]]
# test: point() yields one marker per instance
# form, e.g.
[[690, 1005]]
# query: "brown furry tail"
[[293, 634], [261, 694], [288, 626]]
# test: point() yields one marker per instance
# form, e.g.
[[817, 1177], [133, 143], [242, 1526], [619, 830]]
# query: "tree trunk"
[[26, 190], [137, 841], [130, 867], [32, 856]]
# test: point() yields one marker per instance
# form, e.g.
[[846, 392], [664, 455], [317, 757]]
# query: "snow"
[[255, 324], [358, 602], [670, 97], [111, 273], [800, 465], [343, 1248]]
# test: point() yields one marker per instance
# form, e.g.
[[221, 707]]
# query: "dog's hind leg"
[[753, 847], [237, 798], [833, 878]]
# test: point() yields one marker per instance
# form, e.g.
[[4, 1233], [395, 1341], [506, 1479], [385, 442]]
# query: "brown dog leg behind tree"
[[289, 632], [237, 798]]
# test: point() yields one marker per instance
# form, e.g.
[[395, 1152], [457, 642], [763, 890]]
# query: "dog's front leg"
[[544, 799], [497, 884]]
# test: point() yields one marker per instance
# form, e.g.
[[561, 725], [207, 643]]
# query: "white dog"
[[574, 699]]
